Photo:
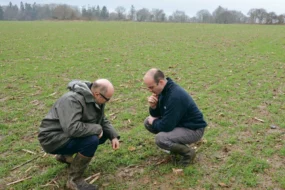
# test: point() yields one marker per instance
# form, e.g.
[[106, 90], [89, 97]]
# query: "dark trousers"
[[86, 146]]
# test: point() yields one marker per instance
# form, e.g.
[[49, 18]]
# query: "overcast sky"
[[191, 7]]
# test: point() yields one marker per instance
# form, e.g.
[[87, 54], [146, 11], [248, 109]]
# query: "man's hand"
[[152, 101], [115, 144], [150, 119]]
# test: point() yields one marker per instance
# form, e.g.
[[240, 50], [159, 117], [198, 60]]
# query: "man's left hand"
[[115, 144], [151, 119]]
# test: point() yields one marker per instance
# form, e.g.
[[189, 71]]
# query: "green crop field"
[[235, 73]]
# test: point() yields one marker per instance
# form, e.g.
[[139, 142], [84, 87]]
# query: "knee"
[[89, 146], [93, 141], [160, 140]]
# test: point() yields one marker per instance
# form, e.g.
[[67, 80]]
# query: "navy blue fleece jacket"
[[176, 108]]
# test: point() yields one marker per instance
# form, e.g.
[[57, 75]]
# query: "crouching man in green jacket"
[[76, 124]]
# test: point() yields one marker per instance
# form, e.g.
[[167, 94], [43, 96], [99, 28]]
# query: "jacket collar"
[[168, 85]]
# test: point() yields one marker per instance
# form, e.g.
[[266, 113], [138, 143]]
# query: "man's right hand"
[[152, 101]]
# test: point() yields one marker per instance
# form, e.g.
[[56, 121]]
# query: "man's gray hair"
[[102, 88]]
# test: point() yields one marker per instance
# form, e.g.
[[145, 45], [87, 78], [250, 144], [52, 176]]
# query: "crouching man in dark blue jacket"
[[174, 117]]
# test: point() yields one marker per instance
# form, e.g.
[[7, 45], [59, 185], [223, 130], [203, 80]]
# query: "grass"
[[235, 73]]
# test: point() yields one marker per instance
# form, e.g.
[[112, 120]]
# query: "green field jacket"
[[74, 115]]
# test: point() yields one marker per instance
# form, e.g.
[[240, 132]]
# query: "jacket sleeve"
[[69, 112], [172, 115], [154, 112], [108, 129]]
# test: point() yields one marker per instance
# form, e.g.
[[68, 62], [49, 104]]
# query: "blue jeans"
[[86, 146]]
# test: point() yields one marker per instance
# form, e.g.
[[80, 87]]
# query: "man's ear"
[[94, 93]]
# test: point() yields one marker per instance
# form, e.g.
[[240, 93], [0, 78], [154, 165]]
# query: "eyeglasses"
[[107, 99]]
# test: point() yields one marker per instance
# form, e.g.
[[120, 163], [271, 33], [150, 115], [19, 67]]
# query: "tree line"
[[30, 12]]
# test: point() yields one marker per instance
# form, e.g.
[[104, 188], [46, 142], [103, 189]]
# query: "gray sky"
[[191, 7]]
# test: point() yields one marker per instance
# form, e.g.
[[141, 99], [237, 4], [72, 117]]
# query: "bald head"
[[103, 86], [155, 80], [154, 74]]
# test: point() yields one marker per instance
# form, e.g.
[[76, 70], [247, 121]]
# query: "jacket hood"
[[82, 87]]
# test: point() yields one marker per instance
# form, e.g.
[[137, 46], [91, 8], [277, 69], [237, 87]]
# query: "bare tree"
[[252, 15], [281, 19], [193, 19], [221, 15], [257, 15], [121, 12], [143, 15], [239, 17], [218, 11], [11, 12], [113, 16], [261, 15], [179, 16], [97, 12], [204, 16], [132, 14], [44, 12], [1, 13], [224, 16], [64, 12], [158, 15], [271, 18]]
